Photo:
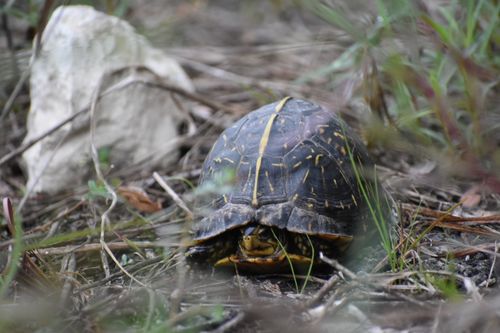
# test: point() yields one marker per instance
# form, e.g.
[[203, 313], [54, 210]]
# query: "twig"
[[12, 97], [37, 177], [38, 45], [332, 305], [231, 324], [448, 217], [464, 228], [493, 264], [181, 267], [151, 310], [105, 216], [29, 144], [42, 22], [173, 195], [485, 248], [435, 324], [59, 216], [131, 268], [332, 282], [284, 87], [189, 313], [16, 251], [193, 96], [468, 283], [160, 85], [68, 269], [335, 264], [7, 31], [115, 246]]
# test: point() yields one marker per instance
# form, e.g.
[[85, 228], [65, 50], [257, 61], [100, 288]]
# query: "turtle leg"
[[302, 245], [212, 250]]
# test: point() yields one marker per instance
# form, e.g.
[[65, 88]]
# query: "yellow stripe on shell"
[[269, 182], [262, 147], [316, 160], [305, 176], [354, 200]]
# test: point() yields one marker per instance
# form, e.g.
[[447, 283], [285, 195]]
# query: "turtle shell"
[[293, 169]]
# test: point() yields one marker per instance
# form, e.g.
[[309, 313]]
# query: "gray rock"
[[136, 121]]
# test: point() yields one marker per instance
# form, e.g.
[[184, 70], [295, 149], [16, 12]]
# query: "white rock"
[[136, 122]]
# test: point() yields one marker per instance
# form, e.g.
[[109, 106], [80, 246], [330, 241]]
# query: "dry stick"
[[189, 313], [332, 282], [151, 310], [431, 226], [435, 325], [132, 268], [7, 31], [160, 85], [192, 96], [59, 216], [230, 325], [239, 79], [493, 264], [354, 277], [9, 219], [474, 249], [335, 264], [28, 145], [16, 256], [105, 216], [40, 174], [96, 96], [42, 21], [68, 269], [95, 158], [8, 105], [448, 217], [470, 286], [463, 228], [116, 246], [330, 307], [181, 267], [173, 195]]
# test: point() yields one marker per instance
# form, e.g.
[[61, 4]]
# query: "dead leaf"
[[471, 197], [139, 199]]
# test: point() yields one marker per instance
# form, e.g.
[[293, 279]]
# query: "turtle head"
[[258, 241], [261, 249]]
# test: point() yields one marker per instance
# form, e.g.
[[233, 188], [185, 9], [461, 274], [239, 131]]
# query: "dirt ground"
[[243, 54]]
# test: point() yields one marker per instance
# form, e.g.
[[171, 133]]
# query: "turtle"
[[295, 170]]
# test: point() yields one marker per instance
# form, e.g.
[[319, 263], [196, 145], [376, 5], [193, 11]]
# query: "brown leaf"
[[139, 199], [471, 197]]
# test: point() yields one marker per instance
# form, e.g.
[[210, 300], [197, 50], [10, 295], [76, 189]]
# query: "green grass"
[[438, 79], [377, 202], [447, 285], [292, 269], [429, 77], [16, 253], [309, 269]]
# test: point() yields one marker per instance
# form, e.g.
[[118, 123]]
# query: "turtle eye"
[[248, 231]]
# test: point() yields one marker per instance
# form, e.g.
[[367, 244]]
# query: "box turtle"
[[295, 192]]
